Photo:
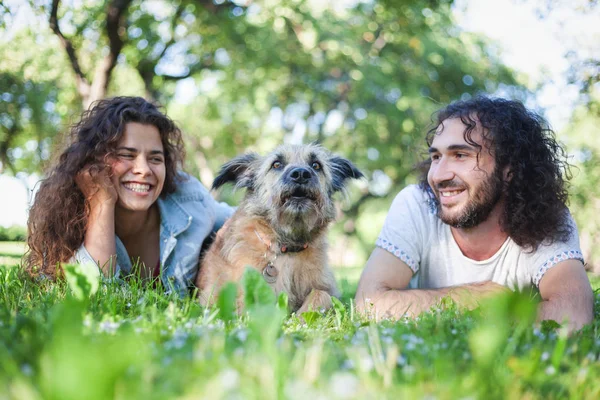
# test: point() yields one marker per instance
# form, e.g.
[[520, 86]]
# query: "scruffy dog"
[[280, 228]]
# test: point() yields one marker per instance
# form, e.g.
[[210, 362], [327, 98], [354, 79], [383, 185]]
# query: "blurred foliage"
[[130, 341], [360, 77], [585, 185], [13, 233], [580, 135]]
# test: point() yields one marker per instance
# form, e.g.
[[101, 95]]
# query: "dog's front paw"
[[317, 300]]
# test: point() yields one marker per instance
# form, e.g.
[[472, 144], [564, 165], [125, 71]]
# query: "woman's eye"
[[157, 159], [277, 165], [316, 166], [126, 156]]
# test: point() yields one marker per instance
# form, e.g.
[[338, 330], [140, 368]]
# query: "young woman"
[[116, 198]]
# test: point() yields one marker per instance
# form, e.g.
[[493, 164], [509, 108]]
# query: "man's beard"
[[479, 206]]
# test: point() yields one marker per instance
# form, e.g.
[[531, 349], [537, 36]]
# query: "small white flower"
[[348, 364], [545, 356], [26, 369], [230, 379], [366, 363], [550, 370], [242, 335], [408, 370], [109, 326], [344, 385]]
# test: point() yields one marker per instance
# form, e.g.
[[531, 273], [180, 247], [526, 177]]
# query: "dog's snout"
[[300, 175]]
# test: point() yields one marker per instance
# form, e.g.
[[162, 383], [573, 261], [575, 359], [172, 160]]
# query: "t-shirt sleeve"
[[402, 232], [547, 256]]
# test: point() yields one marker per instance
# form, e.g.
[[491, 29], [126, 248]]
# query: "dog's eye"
[[316, 166], [277, 165]]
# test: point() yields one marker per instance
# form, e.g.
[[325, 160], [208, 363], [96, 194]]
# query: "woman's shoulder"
[[189, 188]]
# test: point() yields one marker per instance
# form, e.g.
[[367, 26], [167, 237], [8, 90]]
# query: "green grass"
[[11, 252], [127, 341]]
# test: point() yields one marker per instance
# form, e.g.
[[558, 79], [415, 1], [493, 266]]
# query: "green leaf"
[[264, 323], [339, 309], [282, 301], [311, 317], [83, 279], [256, 290], [227, 302]]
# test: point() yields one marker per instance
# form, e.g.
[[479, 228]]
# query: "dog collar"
[[283, 248], [293, 249]]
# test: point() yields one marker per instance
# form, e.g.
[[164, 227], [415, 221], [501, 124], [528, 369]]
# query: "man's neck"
[[482, 241], [135, 223]]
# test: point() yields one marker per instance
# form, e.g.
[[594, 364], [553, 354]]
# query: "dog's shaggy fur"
[[280, 227]]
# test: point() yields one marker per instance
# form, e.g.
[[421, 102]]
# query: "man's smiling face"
[[464, 178]]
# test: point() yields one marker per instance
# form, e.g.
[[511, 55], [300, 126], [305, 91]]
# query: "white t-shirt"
[[415, 234]]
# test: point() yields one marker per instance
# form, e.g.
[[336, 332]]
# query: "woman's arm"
[[99, 238]]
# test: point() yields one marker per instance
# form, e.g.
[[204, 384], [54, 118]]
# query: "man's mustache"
[[450, 184]]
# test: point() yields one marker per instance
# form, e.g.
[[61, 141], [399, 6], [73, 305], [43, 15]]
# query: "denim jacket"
[[187, 217]]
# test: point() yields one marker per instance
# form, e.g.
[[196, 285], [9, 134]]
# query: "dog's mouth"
[[298, 194]]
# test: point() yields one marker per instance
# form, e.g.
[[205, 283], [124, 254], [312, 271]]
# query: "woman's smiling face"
[[138, 171]]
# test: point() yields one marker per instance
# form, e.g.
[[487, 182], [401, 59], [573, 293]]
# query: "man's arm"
[[384, 281], [567, 295]]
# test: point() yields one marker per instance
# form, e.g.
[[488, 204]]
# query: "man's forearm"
[[412, 302], [398, 303]]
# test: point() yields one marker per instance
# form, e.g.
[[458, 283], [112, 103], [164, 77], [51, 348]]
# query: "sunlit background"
[[360, 76]]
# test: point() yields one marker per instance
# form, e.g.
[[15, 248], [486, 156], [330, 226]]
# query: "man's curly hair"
[[535, 193], [58, 217]]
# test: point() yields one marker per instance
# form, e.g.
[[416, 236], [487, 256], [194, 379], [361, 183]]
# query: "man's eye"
[[435, 157], [316, 166], [460, 155], [277, 165]]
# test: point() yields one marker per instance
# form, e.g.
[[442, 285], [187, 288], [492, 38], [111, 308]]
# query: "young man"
[[490, 215]]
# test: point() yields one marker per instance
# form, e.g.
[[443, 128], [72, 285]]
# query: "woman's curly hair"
[[58, 218], [536, 191]]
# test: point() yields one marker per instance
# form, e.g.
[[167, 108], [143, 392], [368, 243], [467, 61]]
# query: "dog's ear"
[[342, 170], [237, 170]]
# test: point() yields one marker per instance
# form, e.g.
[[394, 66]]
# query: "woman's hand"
[[96, 187], [99, 239]]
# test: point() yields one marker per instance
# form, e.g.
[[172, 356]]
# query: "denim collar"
[[174, 218]]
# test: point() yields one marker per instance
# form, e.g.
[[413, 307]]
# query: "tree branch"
[[4, 147], [352, 212], [215, 8], [83, 85], [115, 29]]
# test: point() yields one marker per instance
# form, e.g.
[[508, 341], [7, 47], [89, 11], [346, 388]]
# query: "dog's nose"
[[300, 175]]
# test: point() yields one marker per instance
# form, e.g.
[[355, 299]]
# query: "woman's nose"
[[141, 166]]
